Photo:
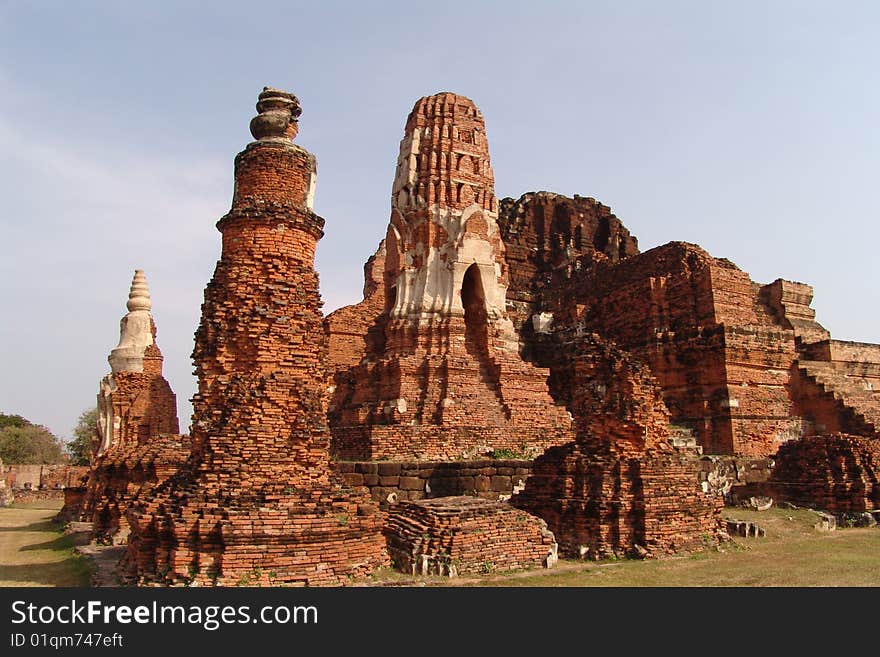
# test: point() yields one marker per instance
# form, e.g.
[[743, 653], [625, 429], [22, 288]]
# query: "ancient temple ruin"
[[439, 375], [257, 501], [517, 370]]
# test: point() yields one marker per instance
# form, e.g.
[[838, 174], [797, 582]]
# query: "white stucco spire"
[[135, 329]]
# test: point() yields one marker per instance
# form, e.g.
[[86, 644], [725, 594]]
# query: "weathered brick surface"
[[466, 535], [144, 404], [721, 356], [491, 479], [789, 302], [440, 376], [257, 503], [352, 329], [620, 487], [127, 473], [838, 472], [548, 236], [599, 503]]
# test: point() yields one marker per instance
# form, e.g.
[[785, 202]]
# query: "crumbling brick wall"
[[393, 481], [351, 328], [466, 535], [547, 236], [838, 472], [619, 488], [37, 477], [125, 474], [707, 332]]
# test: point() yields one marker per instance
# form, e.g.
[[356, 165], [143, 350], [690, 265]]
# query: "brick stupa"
[[440, 376], [137, 444], [257, 503]]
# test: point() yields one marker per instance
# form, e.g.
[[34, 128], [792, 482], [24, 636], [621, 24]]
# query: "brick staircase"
[[842, 383]]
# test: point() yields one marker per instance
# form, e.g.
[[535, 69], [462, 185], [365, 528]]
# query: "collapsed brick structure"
[[838, 473], [138, 445], [744, 367], [257, 502], [438, 375], [466, 535], [620, 488]]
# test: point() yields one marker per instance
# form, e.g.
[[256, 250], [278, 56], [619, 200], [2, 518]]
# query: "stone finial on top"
[[135, 329], [278, 114], [139, 295]]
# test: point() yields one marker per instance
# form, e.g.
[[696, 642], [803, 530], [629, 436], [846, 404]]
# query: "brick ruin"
[[438, 374], [620, 488], [466, 535], [517, 375], [257, 502], [744, 368], [837, 472], [449, 257], [138, 444]]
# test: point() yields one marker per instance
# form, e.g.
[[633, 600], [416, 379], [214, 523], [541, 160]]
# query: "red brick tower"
[[446, 379], [257, 502]]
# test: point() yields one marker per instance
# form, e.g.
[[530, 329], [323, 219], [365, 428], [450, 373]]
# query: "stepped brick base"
[[840, 397], [839, 473], [327, 538], [466, 535]]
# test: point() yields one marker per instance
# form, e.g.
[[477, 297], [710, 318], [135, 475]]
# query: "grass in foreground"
[[33, 552], [792, 554]]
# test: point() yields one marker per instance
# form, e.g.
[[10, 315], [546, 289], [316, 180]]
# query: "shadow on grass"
[[41, 526], [72, 571], [60, 543]]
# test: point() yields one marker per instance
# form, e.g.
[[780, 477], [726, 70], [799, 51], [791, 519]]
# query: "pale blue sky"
[[750, 128]]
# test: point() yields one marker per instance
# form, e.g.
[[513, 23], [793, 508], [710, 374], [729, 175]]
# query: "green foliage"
[[16, 421], [85, 434], [22, 442], [507, 454]]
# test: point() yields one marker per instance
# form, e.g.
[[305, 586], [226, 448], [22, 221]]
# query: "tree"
[[13, 421], [85, 433], [29, 444]]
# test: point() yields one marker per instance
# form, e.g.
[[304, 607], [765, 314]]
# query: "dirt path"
[[33, 552]]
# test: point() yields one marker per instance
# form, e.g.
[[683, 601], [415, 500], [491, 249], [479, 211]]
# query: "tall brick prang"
[[257, 502], [441, 376]]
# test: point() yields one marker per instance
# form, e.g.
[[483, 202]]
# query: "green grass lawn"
[[792, 554], [33, 550]]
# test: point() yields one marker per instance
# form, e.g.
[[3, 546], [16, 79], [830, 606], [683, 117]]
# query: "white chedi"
[[135, 329], [135, 335]]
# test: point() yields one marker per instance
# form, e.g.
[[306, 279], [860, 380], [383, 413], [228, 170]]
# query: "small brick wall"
[[36, 477], [417, 480], [465, 535]]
